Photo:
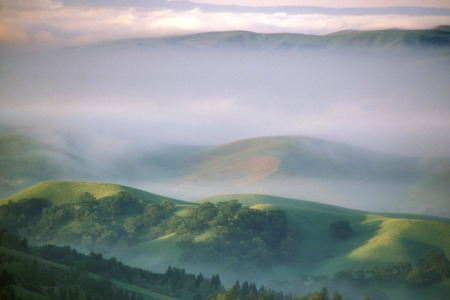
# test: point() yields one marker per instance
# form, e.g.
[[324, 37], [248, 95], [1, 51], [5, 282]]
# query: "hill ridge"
[[437, 37], [71, 190]]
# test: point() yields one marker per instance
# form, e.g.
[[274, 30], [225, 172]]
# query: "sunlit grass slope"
[[377, 238], [254, 199], [66, 192]]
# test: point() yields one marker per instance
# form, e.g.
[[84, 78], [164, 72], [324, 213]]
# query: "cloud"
[[326, 3], [48, 23]]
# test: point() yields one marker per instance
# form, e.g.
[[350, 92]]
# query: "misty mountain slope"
[[24, 161], [437, 38], [320, 170], [299, 156], [153, 163], [151, 233]]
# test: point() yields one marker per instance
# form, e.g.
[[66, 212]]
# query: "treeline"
[[41, 278], [26, 277], [76, 281], [174, 282], [98, 221], [238, 238], [248, 291], [432, 268]]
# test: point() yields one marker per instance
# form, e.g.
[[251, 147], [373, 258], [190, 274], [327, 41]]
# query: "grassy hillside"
[[258, 199], [259, 238], [379, 238], [67, 192], [255, 159], [320, 170]]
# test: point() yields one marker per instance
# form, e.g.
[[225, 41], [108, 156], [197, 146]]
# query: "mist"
[[134, 111], [105, 101]]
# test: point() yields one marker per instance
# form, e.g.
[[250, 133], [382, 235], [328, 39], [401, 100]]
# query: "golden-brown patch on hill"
[[243, 172]]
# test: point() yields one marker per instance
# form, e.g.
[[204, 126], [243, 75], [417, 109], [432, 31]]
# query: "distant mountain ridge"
[[435, 38]]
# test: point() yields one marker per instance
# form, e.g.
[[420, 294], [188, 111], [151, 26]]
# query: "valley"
[[227, 165]]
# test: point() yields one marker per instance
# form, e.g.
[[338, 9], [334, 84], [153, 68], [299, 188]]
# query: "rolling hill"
[[151, 233], [67, 192], [287, 166], [256, 159], [320, 170]]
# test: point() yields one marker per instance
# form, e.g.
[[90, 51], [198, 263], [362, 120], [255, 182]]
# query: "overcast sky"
[[48, 23], [115, 101]]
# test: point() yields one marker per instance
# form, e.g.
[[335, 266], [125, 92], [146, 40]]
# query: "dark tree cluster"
[[241, 238], [57, 283], [341, 229], [430, 269], [15, 215], [98, 222], [249, 291], [51, 282]]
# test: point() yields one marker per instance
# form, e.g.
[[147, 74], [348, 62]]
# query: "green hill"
[[321, 170], [259, 237], [67, 192], [381, 238], [255, 159], [256, 199]]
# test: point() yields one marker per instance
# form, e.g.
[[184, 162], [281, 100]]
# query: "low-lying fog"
[[109, 103]]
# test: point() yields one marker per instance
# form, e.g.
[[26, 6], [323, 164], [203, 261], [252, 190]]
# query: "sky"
[[98, 101], [48, 23]]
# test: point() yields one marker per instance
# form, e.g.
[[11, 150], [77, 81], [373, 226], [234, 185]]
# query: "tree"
[[215, 280], [123, 197], [341, 229], [436, 261], [166, 206], [430, 269], [87, 200], [232, 293], [336, 296], [229, 208], [113, 206]]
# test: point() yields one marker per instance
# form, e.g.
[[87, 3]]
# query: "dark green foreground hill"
[[261, 238]]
